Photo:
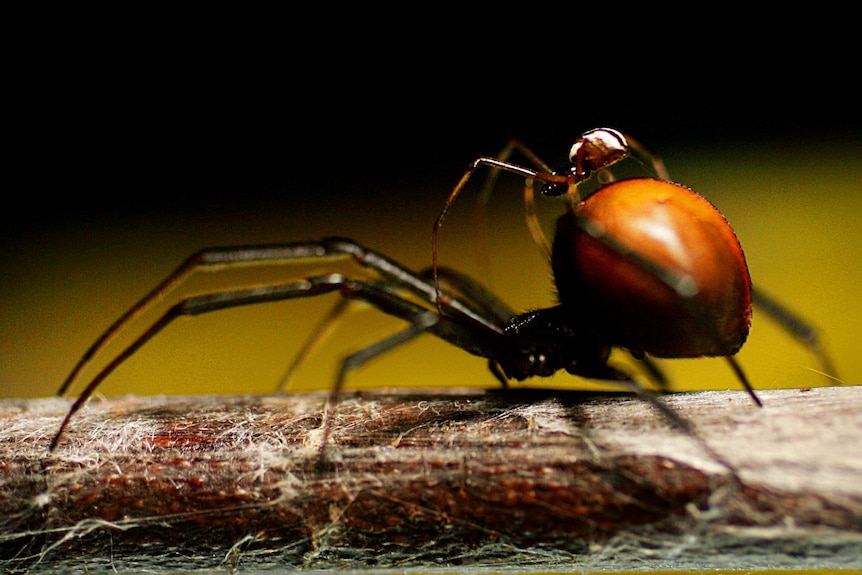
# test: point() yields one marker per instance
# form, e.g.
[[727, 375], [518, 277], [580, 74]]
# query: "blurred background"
[[122, 170]]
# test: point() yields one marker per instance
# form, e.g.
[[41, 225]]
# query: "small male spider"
[[642, 264]]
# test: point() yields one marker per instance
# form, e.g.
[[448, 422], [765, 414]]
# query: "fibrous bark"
[[434, 478]]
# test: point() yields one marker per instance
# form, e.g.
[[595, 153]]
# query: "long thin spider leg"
[[418, 327], [220, 258], [643, 155], [456, 191], [792, 323], [512, 146], [398, 275], [487, 191], [740, 375], [210, 258], [321, 331], [542, 172], [497, 372], [195, 306], [478, 298], [474, 337], [640, 153], [532, 219], [616, 376], [797, 327], [654, 372]]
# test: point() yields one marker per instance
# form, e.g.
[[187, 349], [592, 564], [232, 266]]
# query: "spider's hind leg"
[[654, 372], [797, 328], [609, 373]]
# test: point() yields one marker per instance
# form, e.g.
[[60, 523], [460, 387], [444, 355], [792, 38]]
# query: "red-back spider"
[[638, 238], [643, 264]]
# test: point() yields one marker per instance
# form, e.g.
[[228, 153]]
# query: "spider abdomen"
[[610, 256]]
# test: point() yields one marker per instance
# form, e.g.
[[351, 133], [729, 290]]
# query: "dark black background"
[[202, 132]]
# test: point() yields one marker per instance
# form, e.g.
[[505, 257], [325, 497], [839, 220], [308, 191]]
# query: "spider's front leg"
[[197, 305], [215, 259], [466, 329]]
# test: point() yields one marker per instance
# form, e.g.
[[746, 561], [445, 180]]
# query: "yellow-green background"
[[796, 208]]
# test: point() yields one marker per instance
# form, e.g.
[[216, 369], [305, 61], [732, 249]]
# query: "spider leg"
[[493, 307], [645, 156], [221, 258], [543, 175], [321, 331], [479, 295], [194, 306], [497, 372], [472, 336], [640, 153], [798, 328], [422, 322], [419, 326], [530, 216], [610, 373], [471, 294], [214, 258], [654, 372], [512, 146]]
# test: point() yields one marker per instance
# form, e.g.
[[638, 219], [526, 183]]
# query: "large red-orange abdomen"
[[624, 301]]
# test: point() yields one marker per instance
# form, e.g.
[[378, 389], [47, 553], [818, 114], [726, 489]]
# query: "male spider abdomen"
[[619, 252]]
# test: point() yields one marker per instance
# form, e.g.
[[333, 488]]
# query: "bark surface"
[[434, 478]]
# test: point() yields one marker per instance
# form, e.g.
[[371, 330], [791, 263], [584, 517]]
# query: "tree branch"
[[434, 477]]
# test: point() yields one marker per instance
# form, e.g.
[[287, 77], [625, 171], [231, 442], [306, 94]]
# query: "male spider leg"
[[487, 191], [456, 191], [628, 147], [644, 156], [511, 147], [477, 296], [798, 328]]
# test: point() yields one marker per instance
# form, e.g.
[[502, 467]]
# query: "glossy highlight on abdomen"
[[601, 278]]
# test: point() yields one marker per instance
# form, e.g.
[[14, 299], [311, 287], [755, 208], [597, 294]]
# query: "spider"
[[642, 264]]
